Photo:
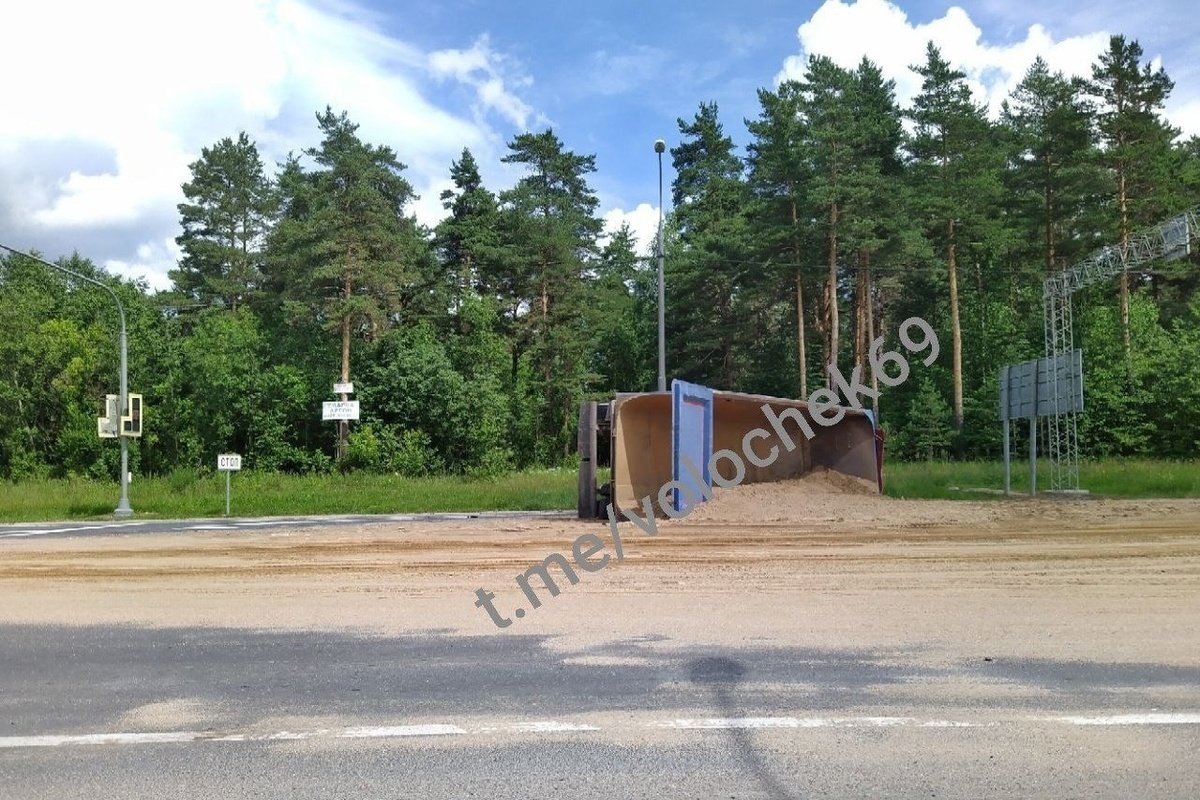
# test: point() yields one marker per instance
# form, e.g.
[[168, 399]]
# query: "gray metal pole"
[[1007, 463], [587, 460], [122, 509], [1004, 373], [1033, 421], [1033, 454], [659, 147]]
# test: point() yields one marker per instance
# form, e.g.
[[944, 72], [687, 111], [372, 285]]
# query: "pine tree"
[[829, 148], [778, 177], [346, 250], [1137, 143], [956, 171], [877, 212], [551, 228], [225, 223], [467, 239], [707, 265], [1053, 171], [625, 301]]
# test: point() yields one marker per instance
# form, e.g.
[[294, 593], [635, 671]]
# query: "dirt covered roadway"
[[816, 563], [784, 641]]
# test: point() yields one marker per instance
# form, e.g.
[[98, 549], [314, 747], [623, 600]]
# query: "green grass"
[[1110, 477], [184, 495]]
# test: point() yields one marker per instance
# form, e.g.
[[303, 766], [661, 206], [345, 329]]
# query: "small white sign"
[[339, 409], [229, 462], [343, 388]]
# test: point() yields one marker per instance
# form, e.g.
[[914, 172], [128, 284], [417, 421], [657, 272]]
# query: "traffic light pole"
[[122, 509]]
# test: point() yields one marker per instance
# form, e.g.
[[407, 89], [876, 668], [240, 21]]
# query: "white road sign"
[[339, 409], [343, 388], [230, 462]]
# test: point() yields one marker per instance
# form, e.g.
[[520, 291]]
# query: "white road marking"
[[719, 723], [1135, 719], [97, 738], [207, 528], [72, 529], [279, 736], [401, 730], [550, 726], [554, 726]]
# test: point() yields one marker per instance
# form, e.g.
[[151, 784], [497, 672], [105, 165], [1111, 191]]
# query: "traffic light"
[[108, 426], [131, 421]]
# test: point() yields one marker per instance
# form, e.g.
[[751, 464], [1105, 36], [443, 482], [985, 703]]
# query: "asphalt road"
[[129, 712], [127, 526]]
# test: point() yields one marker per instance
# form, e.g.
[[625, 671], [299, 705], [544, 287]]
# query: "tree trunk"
[[727, 366], [1049, 231], [956, 334], [861, 287], [801, 355], [870, 339], [1123, 278], [831, 292], [344, 425]]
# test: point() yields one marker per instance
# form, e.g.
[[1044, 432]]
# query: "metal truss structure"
[[1165, 242]]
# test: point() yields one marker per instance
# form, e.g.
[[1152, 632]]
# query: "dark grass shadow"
[[85, 510]]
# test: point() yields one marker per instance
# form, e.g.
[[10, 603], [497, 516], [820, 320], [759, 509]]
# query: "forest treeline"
[[471, 345]]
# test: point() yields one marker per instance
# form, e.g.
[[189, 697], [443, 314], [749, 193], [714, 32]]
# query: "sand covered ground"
[[819, 561]]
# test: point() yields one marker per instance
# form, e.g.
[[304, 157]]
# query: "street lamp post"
[[659, 147], [122, 509]]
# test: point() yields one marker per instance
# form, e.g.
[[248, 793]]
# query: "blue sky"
[[105, 104]]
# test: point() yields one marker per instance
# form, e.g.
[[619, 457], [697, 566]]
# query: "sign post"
[[1042, 387], [342, 412], [339, 409], [228, 463]]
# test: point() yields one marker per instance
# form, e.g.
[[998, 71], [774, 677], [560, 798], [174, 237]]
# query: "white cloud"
[[164, 251], [114, 100], [643, 222], [488, 72], [612, 73], [1186, 116], [881, 31]]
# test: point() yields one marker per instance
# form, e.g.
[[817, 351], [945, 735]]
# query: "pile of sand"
[[817, 495]]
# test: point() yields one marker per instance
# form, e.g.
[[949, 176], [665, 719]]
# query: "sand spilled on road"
[[822, 499], [824, 496]]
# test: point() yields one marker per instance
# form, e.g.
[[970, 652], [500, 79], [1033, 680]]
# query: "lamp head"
[[659, 146]]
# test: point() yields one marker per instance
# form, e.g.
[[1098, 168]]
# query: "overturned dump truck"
[[694, 435]]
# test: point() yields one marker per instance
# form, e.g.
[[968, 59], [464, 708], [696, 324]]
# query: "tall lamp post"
[[122, 509], [659, 147]]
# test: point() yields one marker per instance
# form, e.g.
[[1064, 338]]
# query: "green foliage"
[[964, 480], [1054, 168], [930, 430], [1126, 400], [471, 345], [551, 216], [271, 494], [707, 325], [1137, 140], [225, 222], [400, 452]]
